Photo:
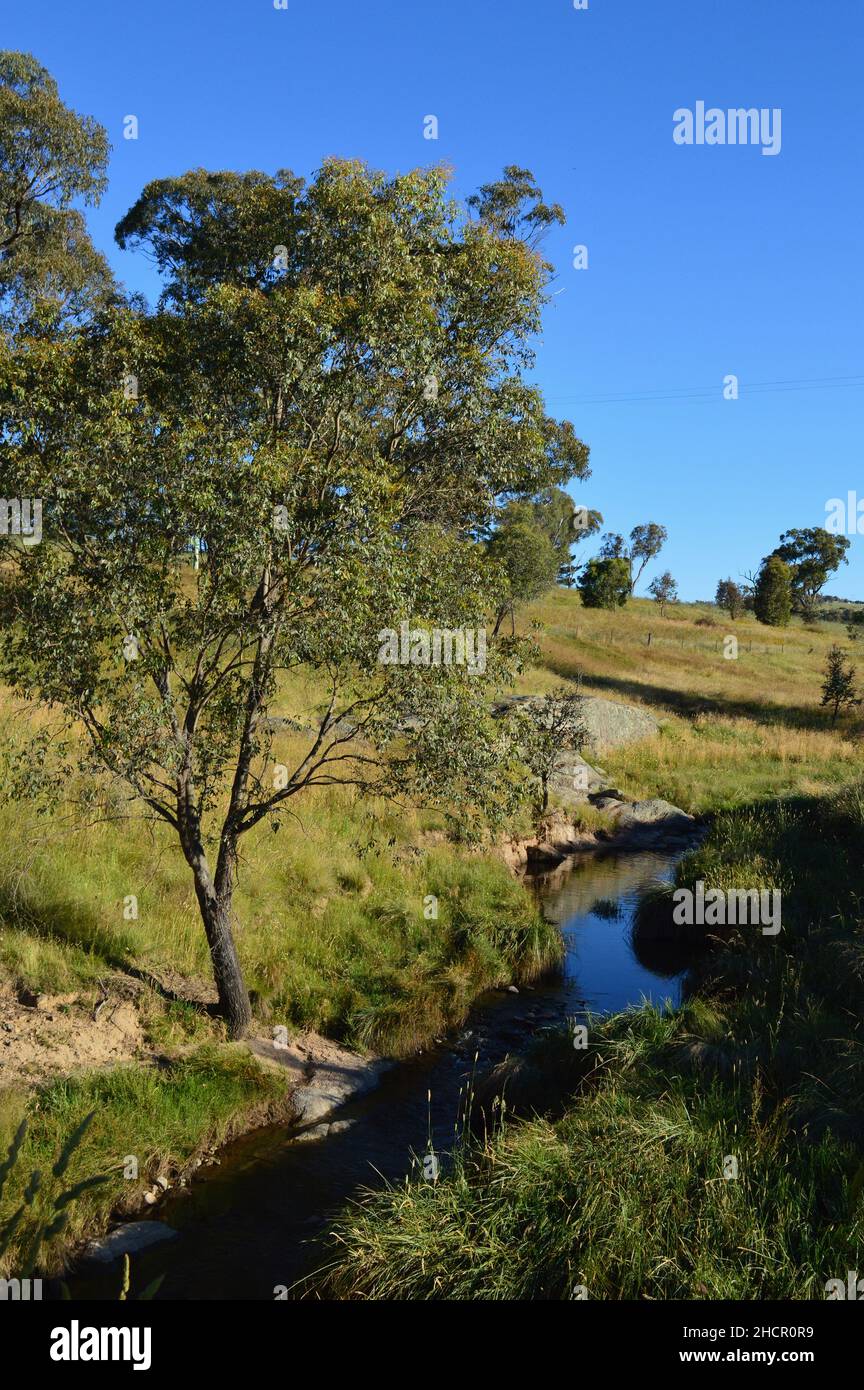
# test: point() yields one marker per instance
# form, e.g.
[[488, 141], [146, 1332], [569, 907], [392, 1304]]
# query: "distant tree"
[[646, 542], [838, 688], [528, 558], [772, 596], [730, 597], [663, 590], [545, 728], [813, 554], [565, 523], [605, 583], [612, 546]]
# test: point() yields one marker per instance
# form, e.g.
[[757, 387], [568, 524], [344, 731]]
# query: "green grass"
[[163, 1118], [332, 921], [624, 1192]]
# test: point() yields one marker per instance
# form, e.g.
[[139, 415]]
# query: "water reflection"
[[607, 968]]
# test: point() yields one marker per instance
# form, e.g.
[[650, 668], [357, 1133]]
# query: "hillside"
[[733, 730]]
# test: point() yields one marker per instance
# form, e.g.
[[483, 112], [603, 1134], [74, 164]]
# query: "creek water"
[[248, 1224]]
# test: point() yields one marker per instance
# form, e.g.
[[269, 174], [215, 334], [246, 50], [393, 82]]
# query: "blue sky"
[[703, 261]]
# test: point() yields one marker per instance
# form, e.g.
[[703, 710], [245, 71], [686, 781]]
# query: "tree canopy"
[[605, 583], [50, 158], [772, 594], [812, 554], [331, 395]]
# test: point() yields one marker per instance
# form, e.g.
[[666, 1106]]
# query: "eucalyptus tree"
[[664, 590], [813, 555], [331, 395], [51, 159]]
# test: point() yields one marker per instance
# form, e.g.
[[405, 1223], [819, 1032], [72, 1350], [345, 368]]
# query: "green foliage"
[[839, 690], [646, 542], [605, 583], [49, 1215], [730, 597], [331, 399], [663, 590], [527, 556], [546, 726], [50, 157], [772, 595], [813, 554], [513, 206], [565, 524]]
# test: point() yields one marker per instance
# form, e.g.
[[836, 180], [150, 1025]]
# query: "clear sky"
[[703, 260]]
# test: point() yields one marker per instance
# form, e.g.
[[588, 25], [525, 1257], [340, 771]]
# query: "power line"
[[697, 393]]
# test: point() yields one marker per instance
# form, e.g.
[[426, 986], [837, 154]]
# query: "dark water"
[[604, 967], [249, 1224]]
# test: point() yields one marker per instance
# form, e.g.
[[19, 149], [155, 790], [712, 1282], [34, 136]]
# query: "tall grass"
[[336, 923], [625, 1194]]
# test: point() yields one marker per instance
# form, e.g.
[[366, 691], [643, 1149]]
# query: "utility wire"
[[696, 393]]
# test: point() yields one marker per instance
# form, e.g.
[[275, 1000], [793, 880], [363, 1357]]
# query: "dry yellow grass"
[[732, 730]]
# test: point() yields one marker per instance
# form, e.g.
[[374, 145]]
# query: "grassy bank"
[[160, 1118], [624, 1193], [360, 920], [334, 927]]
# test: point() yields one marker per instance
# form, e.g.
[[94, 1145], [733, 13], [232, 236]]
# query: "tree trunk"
[[234, 1004]]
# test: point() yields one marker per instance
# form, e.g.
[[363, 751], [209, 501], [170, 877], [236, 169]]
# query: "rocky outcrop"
[[649, 822], [324, 1076], [608, 722], [576, 782]]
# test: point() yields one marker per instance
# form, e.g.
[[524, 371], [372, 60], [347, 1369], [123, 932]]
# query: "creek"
[[248, 1223]]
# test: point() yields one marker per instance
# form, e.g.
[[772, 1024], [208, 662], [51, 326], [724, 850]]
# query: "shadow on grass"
[[690, 703], [65, 922]]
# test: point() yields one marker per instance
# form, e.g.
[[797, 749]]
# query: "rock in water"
[[654, 815], [128, 1240]]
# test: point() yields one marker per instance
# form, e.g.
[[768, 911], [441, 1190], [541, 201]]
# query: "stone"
[[608, 723], [129, 1239], [654, 815], [312, 1134]]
